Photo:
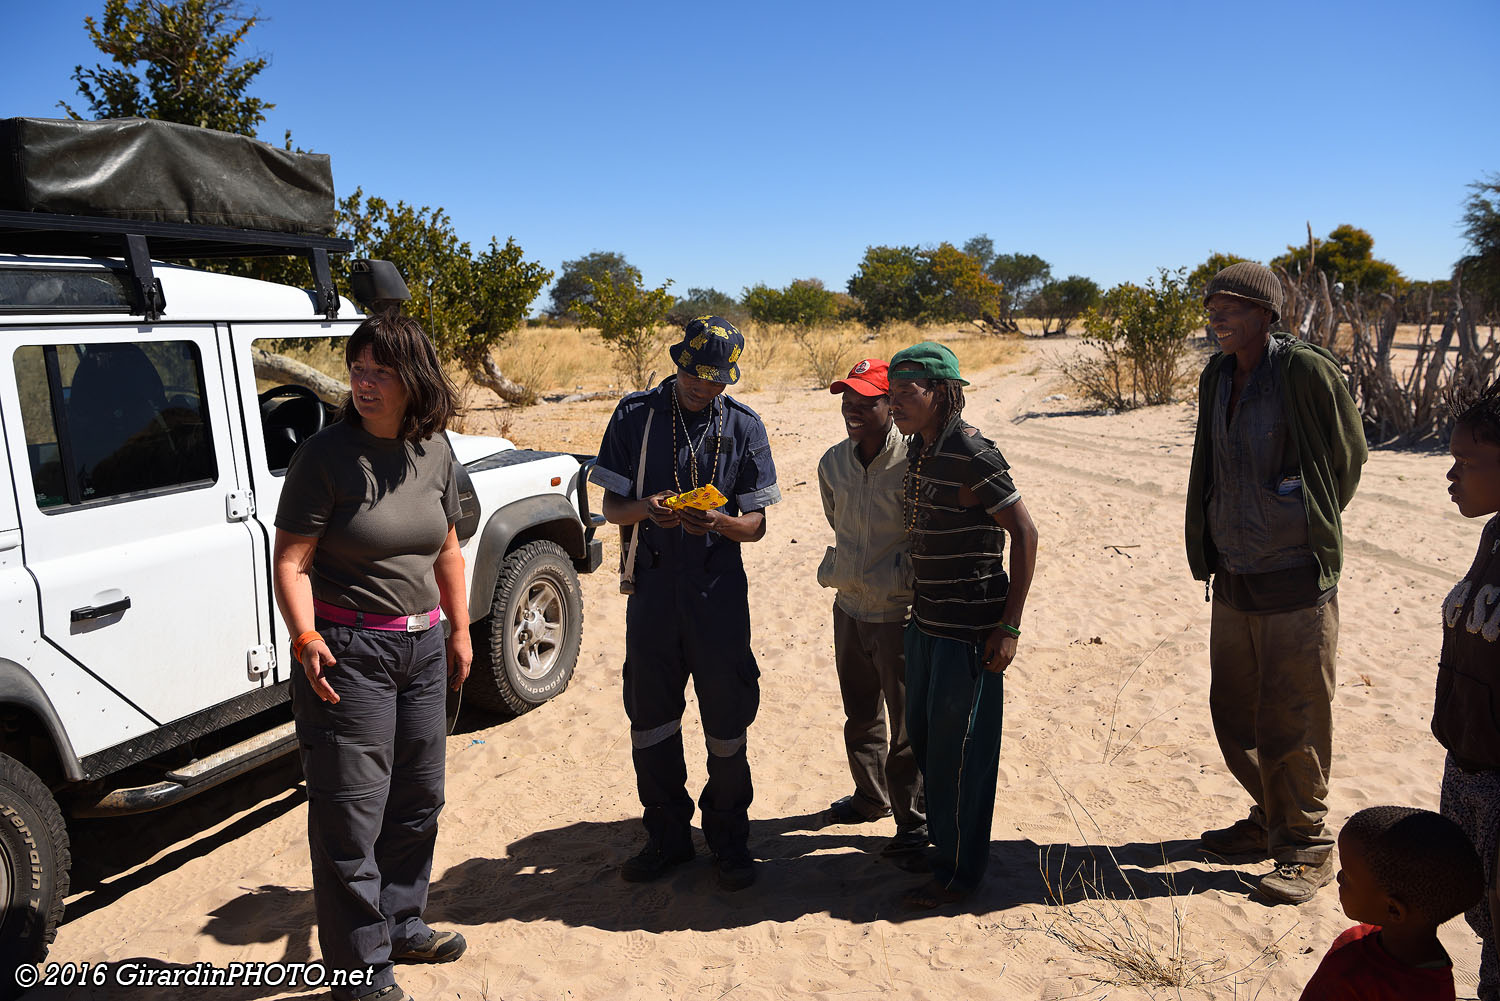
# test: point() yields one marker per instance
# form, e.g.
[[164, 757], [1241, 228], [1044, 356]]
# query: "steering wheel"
[[293, 391], [290, 415]]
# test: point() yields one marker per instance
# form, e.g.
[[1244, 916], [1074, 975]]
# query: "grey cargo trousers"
[[374, 764]]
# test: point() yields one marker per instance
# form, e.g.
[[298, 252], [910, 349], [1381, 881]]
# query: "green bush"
[[1137, 341]]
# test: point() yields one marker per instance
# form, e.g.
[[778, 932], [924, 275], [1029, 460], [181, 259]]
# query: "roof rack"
[[138, 241]]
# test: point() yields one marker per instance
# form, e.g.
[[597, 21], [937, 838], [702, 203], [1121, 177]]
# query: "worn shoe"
[[912, 841], [843, 811], [390, 992], [1243, 837], [918, 863], [653, 862], [736, 873], [440, 947], [931, 895], [1297, 882]]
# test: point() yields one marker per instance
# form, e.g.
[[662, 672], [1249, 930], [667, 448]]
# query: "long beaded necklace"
[[911, 489], [677, 417]]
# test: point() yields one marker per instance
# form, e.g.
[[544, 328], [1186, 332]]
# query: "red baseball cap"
[[867, 378]]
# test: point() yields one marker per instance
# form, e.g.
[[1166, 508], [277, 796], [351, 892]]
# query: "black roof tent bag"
[[137, 168]]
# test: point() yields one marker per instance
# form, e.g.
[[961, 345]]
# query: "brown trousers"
[[1271, 697], [871, 664]]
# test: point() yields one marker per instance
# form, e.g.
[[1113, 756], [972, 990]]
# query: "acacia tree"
[[982, 249], [1481, 220], [959, 291], [1200, 276], [805, 304], [1062, 302], [626, 315], [189, 50], [575, 280], [1344, 256], [705, 302], [939, 284], [468, 305], [1019, 277], [888, 285]]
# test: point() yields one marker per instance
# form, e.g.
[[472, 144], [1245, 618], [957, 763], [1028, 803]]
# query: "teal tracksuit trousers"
[[954, 710]]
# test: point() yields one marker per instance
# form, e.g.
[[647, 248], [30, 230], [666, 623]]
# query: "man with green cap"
[[1276, 459], [960, 503], [688, 615]]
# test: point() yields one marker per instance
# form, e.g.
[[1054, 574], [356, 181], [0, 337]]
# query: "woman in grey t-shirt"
[[365, 554]]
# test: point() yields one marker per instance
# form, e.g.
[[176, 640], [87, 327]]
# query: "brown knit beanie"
[[1248, 280]]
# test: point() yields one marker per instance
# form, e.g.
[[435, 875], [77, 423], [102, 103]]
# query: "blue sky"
[[723, 145]]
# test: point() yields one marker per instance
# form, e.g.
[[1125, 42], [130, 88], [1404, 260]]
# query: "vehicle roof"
[[191, 295]]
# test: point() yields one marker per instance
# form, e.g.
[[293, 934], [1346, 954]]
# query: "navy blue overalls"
[[690, 613]]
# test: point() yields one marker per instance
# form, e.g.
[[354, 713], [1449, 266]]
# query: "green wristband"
[[1010, 630]]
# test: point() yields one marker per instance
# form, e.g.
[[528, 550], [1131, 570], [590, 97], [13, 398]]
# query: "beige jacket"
[[869, 562]]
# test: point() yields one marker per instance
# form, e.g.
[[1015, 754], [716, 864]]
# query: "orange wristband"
[[300, 643]]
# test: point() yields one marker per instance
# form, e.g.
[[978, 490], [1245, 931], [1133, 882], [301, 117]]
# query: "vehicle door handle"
[[99, 611]]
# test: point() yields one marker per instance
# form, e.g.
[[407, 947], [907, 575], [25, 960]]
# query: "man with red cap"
[[869, 565]]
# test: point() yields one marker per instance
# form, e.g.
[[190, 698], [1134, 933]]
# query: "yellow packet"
[[705, 498]]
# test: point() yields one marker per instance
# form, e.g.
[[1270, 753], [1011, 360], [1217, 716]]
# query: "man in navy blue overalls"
[[689, 613]]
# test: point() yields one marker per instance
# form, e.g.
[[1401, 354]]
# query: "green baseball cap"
[[936, 362]]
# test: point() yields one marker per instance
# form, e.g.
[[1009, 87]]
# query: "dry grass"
[[567, 360], [562, 360], [1116, 931]]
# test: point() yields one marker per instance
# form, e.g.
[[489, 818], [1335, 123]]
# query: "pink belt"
[[420, 622]]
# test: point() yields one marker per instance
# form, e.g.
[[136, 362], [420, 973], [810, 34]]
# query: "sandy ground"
[[1109, 770]]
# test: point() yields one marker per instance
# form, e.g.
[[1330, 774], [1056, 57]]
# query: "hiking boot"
[[912, 841], [1297, 882], [653, 862], [440, 947], [736, 872], [1243, 837], [843, 811], [390, 992]]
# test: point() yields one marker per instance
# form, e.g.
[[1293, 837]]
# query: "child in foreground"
[[1404, 872]]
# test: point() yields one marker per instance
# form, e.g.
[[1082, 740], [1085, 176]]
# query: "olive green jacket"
[[1330, 439]]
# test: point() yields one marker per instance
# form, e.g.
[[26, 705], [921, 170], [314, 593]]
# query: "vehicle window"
[[71, 290], [300, 381], [113, 420]]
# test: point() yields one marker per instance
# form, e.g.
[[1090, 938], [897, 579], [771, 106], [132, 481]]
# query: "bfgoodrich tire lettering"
[[34, 863], [526, 648]]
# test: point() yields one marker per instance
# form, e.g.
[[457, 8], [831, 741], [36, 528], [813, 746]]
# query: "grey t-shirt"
[[380, 509]]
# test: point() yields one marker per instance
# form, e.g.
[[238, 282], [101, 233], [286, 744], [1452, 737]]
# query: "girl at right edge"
[[1469, 668]]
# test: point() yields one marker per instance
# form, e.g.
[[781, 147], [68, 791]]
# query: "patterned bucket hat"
[[710, 349]]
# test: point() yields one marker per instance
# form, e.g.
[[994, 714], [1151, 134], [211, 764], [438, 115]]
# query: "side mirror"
[[375, 283]]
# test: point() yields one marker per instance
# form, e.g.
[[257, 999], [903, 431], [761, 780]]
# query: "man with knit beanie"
[[1276, 459]]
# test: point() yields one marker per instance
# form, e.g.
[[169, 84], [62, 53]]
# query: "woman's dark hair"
[[1479, 410], [398, 342]]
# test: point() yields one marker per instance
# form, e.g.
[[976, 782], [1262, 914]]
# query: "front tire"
[[34, 861], [526, 648]]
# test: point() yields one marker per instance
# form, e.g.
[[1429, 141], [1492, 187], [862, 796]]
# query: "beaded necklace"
[[912, 490], [677, 417], [911, 487]]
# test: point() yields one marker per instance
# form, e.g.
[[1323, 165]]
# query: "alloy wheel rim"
[[536, 629]]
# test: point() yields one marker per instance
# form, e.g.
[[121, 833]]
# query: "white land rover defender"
[[148, 413]]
